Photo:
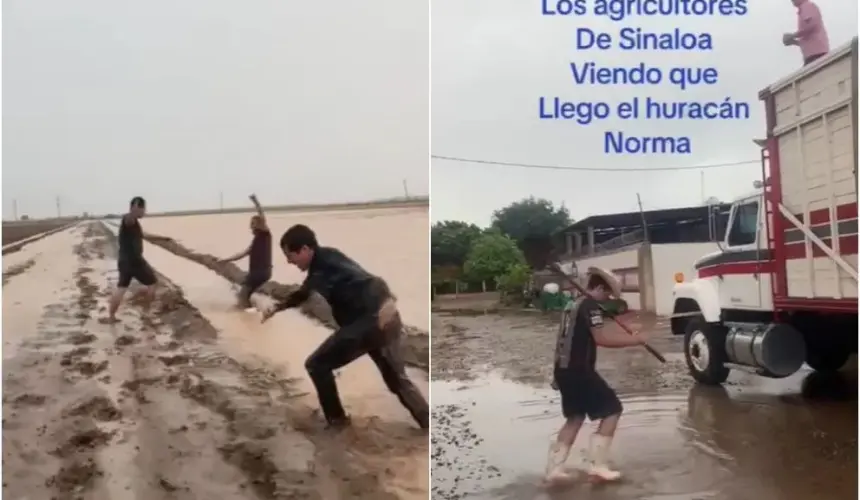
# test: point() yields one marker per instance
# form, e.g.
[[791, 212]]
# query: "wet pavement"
[[494, 416], [166, 404]]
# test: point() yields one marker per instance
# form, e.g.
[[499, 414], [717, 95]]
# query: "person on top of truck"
[[811, 35]]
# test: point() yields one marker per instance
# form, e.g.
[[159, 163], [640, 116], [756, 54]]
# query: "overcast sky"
[[177, 101], [493, 59]]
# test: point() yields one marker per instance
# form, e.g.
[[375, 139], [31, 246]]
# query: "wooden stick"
[[581, 289]]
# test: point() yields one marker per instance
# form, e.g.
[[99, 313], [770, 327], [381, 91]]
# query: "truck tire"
[[705, 352], [826, 357]]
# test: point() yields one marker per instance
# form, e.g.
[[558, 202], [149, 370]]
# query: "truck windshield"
[[744, 225]]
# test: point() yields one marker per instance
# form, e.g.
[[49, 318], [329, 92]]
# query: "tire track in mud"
[[17, 269], [416, 342], [150, 409]]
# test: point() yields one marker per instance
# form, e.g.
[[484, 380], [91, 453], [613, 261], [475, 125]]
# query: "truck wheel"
[[826, 358], [705, 352]]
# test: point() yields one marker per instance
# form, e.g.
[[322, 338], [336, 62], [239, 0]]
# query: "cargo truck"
[[782, 290]]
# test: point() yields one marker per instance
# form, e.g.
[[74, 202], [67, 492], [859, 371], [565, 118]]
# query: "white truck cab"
[[782, 290]]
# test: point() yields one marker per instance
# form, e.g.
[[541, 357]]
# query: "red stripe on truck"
[[822, 216], [847, 246]]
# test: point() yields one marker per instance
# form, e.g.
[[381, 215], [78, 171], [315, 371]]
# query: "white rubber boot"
[[598, 454], [556, 457]]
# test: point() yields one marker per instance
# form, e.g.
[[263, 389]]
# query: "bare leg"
[[608, 425], [115, 301], [560, 449], [599, 449], [147, 296], [569, 431]]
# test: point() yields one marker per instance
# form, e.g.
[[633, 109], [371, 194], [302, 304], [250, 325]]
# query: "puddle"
[[785, 440]]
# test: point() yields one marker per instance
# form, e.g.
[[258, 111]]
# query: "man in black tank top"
[[259, 254], [584, 393], [130, 261], [368, 322]]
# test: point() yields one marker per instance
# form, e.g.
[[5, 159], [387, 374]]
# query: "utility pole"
[[14, 209], [59, 211], [642, 215], [405, 189]]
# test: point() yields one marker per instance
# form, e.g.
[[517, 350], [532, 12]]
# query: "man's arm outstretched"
[[295, 299], [260, 212]]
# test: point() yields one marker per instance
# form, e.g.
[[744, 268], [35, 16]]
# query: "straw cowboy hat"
[[609, 279]]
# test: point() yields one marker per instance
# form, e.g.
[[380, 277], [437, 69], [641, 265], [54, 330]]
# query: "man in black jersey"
[[584, 393], [259, 254], [369, 323], [130, 261]]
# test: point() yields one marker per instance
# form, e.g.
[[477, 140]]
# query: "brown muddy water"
[[494, 416], [391, 242], [190, 400]]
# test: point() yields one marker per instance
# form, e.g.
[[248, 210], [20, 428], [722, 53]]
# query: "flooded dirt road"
[[165, 405], [494, 415]]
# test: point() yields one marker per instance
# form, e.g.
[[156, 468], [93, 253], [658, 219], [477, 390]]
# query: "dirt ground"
[[18, 231], [153, 409], [494, 416]]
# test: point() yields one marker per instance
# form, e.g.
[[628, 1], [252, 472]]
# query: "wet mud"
[[151, 408], [17, 269], [494, 416], [415, 341]]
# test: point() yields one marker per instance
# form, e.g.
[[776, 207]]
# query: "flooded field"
[[193, 400], [391, 242], [19, 230], [494, 416]]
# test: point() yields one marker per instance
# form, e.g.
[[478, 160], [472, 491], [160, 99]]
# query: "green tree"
[[532, 222], [514, 281], [492, 255], [531, 218], [450, 242]]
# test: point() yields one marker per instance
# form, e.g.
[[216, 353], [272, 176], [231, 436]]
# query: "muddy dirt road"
[[494, 416], [171, 404]]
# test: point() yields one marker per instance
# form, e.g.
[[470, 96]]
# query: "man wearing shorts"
[[259, 254], [584, 393], [368, 323], [130, 261]]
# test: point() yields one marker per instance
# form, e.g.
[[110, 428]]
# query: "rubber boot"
[[556, 457], [598, 454]]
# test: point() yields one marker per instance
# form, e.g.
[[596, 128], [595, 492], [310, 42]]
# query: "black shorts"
[[140, 271], [586, 394]]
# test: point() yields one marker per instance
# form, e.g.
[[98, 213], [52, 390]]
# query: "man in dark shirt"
[[584, 393], [130, 261], [259, 254], [366, 313]]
